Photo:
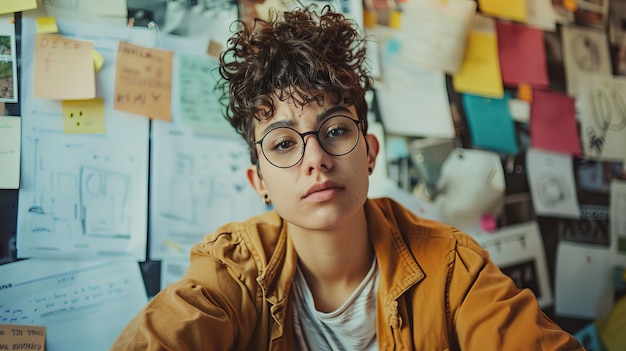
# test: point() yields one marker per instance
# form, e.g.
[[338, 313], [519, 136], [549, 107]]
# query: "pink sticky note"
[[522, 55], [553, 123]]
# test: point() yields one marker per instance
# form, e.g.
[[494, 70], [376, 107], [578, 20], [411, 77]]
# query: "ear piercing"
[[267, 200], [370, 170]]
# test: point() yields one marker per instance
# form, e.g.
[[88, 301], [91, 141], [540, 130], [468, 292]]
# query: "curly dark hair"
[[289, 57]]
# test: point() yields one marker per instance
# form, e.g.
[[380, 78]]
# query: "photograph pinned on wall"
[[585, 51], [8, 62], [592, 13]]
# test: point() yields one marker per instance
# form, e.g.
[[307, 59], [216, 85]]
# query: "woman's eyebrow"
[[331, 111]]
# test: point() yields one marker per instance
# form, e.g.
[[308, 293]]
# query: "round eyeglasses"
[[283, 147]]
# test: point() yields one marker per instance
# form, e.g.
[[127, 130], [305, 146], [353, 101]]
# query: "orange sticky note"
[[525, 92], [63, 68], [143, 81], [83, 116], [16, 336]]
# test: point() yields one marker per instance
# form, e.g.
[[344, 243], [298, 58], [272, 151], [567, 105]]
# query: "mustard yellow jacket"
[[438, 290]]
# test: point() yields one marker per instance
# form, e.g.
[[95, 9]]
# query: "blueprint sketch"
[[82, 196], [197, 183]]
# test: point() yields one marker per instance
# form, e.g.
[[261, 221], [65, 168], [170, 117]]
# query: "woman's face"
[[321, 191]]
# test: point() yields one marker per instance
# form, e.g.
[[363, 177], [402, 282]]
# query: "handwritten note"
[[22, 337], [83, 116], [10, 152], [63, 68], [199, 104], [143, 81]]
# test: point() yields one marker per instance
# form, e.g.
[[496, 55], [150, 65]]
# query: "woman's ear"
[[372, 150], [254, 178]]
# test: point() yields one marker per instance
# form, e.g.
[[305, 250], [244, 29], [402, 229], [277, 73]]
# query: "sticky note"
[[83, 116], [47, 25]]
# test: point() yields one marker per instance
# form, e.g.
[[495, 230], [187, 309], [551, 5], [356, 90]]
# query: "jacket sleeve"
[[208, 309], [491, 313]]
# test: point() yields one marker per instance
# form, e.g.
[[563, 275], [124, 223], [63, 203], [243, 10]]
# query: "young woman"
[[328, 268]]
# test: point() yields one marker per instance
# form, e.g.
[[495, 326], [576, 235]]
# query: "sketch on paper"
[[603, 117], [198, 182], [552, 184], [585, 51]]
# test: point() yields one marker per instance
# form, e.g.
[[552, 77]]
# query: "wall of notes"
[[506, 118]]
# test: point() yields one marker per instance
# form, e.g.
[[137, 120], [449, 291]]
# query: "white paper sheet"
[[433, 33], [552, 184], [198, 182], [602, 116], [82, 196], [10, 146], [518, 251], [413, 101], [83, 304], [583, 286]]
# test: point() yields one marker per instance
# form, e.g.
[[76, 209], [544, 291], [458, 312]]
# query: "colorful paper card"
[[63, 68], [553, 123], [10, 6], [10, 146], [83, 116], [490, 123], [522, 55], [510, 9], [480, 72], [143, 81]]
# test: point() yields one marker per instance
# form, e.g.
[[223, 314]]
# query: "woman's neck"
[[333, 262]]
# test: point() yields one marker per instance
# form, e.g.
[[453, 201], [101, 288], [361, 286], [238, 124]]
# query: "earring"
[[370, 170], [267, 200]]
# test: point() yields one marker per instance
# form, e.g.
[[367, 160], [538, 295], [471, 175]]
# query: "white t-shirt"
[[352, 326]]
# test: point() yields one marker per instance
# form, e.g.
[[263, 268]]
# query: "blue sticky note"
[[490, 123], [589, 338]]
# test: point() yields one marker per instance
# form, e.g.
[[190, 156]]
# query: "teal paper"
[[490, 123]]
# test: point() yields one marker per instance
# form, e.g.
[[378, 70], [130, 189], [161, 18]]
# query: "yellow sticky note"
[[480, 71], [395, 19], [83, 116], [47, 25], [10, 6], [510, 9], [98, 60]]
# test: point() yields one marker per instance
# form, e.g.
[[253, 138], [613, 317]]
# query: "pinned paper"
[[552, 184], [436, 35], [8, 61], [511, 9], [551, 114], [519, 252], [47, 25], [490, 123], [618, 221], [63, 68], [582, 298], [143, 81], [522, 55], [11, 6], [480, 72], [22, 337], [10, 141], [83, 116]]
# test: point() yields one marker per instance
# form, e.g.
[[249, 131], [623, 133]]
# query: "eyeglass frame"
[[359, 126]]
